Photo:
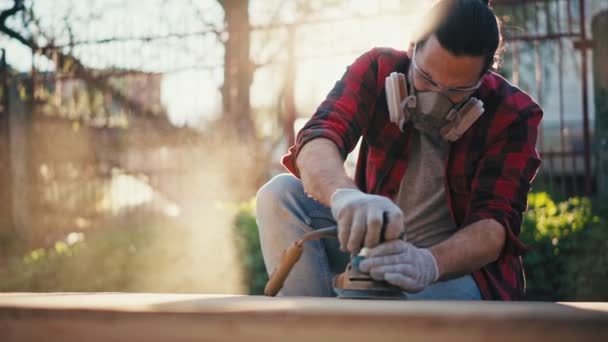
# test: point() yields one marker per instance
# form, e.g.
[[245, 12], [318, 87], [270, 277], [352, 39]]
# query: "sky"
[[192, 66]]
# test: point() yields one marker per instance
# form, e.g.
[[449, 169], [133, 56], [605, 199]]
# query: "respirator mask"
[[430, 111]]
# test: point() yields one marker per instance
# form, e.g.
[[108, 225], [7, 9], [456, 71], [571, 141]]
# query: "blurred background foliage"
[[568, 241], [248, 244], [126, 255], [566, 261]]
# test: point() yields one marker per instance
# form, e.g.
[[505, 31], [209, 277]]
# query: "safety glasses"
[[423, 80]]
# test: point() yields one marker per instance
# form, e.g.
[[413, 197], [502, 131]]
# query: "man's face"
[[441, 71]]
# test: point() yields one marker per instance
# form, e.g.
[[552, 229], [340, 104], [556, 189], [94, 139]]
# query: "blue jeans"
[[285, 213]]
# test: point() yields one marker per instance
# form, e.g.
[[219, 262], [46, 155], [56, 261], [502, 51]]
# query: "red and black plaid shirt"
[[488, 172]]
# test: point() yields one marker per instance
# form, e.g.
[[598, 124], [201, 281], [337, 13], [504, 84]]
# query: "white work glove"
[[360, 217], [402, 264]]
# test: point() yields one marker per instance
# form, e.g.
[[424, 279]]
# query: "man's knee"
[[276, 192]]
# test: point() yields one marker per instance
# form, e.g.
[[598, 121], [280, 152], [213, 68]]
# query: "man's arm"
[[499, 197], [322, 170], [317, 157], [340, 119], [469, 249], [359, 215]]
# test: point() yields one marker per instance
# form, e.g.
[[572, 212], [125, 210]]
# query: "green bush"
[[124, 256], [128, 255], [96, 264], [568, 258], [248, 246]]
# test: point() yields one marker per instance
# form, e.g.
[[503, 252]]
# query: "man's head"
[[456, 46]]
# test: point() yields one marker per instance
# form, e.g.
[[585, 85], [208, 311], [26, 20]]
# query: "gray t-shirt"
[[422, 194]]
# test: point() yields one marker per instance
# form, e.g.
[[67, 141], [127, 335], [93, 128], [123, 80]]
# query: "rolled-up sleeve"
[[345, 113], [504, 175]]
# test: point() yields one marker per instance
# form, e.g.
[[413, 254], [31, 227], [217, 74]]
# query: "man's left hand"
[[402, 264]]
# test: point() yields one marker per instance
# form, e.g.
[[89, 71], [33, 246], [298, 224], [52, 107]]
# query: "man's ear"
[[410, 49]]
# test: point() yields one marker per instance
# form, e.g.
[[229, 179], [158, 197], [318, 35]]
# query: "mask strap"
[[461, 120], [409, 101]]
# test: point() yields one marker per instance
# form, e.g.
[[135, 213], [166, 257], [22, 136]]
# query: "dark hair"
[[464, 27]]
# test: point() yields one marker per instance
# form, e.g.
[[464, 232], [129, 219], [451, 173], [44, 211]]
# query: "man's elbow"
[[497, 239]]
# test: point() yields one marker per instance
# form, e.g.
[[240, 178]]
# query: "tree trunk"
[[290, 104], [238, 70]]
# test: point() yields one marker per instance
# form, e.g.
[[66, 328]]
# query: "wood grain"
[[189, 317]]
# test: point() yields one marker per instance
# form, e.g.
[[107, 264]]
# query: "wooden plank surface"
[[189, 317]]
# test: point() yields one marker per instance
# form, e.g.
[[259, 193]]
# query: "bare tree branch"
[[303, 10], [4, 15], [69, 64], [141, 38], [273, 56], [70, 33], [210, 27]]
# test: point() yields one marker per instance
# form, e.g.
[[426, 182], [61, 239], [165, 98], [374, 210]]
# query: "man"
[[446, 162]]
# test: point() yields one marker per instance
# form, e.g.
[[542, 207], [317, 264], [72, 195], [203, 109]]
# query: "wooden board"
[[188, 317]]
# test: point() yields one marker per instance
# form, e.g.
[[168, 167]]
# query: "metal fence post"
[[599, 27], [6, 207]]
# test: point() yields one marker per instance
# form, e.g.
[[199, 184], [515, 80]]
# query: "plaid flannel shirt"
[[488, 171]]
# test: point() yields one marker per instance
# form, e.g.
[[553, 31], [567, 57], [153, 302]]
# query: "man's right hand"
[[360, 218]]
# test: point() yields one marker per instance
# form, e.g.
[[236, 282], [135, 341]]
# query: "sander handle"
[[290, 257]]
